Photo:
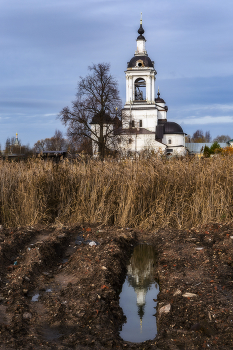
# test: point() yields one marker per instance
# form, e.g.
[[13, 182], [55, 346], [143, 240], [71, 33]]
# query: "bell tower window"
[[169, 141], [140, 89]]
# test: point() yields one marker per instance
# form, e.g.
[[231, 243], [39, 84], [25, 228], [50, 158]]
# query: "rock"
[[27, 315], [189, 295], [165, 309], [25, 291], [177, 292], [103, 267]]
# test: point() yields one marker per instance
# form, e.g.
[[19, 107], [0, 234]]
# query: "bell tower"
[[140, 86], [144, 117]]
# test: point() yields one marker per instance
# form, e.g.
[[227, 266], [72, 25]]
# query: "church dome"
[[105, 119], [172, 128], [159, 99], [144, 60]]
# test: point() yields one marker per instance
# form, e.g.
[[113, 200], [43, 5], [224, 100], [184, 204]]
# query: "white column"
[[147, 88], [149, 78], [153, 88], [127, 89], [132, 93]]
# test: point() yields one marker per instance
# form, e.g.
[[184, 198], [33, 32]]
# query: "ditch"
[[77, 288]]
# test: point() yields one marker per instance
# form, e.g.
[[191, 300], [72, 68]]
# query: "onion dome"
[[140, 32], [99, 119]]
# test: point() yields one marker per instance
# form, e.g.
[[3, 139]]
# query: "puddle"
[[80, 240], [35, 297], [137, 296]]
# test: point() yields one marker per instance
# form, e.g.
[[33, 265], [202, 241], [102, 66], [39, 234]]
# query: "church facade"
[[144, 124]]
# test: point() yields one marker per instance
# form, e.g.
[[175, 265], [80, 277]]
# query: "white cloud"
[[214, 106], [50, 114], [192, 120]]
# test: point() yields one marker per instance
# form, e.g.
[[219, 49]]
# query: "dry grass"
[[146, 193]]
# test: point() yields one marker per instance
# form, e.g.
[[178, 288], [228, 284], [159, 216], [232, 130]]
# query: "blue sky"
[[46, 45]]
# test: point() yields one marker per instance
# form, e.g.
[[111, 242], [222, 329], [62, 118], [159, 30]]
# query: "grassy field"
[[144, 193]]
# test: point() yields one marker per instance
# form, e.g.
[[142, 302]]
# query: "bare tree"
[[54, 143], [222, 138], [199, 137], [207, 137], [95, 111]]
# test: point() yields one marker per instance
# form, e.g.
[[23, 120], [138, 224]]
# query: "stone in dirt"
[[189, 295], [165, 309]]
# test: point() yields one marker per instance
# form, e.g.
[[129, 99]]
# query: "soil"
[[59, 287]]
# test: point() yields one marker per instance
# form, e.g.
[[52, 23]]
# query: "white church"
[[144, 117]]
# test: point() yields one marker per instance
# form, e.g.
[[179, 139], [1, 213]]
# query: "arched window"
[[140, 89], [140, 123], [169, 141]]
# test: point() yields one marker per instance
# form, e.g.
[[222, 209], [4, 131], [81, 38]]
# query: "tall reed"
[[144, 193]]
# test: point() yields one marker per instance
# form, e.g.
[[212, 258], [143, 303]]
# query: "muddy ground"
[[58, 291]]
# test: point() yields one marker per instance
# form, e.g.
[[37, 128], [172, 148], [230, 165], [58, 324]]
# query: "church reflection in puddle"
[[138, 294]]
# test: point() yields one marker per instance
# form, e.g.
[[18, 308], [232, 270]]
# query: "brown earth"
[[76, 287]]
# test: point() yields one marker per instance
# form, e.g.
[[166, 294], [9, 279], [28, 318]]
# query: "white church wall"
[[148, 117], [176, 139], [141, 142], [176, 151]]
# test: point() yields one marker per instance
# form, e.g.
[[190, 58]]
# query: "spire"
[[141, 41], [16, 140], [141, 31]]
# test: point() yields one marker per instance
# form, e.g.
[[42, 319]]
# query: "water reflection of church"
[[141, 273]]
